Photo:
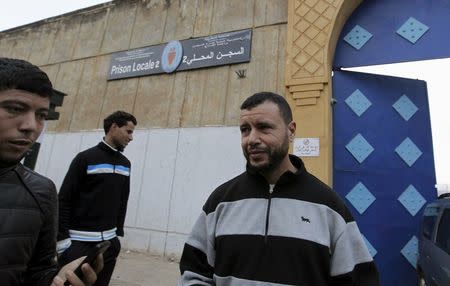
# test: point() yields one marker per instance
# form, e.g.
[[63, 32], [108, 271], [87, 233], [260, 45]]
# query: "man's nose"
[[29, 122], [253, 137]]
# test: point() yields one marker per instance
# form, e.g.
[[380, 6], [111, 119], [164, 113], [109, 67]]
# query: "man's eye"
[[42, 116], [14, 109]]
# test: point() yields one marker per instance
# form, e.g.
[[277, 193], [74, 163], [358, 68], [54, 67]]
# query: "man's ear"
[[291, 128], [112, 128]]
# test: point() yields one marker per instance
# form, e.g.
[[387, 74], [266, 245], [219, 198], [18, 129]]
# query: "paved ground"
[[141, 269]]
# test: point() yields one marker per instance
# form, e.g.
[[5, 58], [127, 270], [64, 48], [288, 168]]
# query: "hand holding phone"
[[91, 257]]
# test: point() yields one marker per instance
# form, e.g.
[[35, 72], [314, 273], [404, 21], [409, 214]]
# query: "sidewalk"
[[142, 269]]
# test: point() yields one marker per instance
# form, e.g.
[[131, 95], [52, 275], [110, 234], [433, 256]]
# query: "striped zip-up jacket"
[[298, 232], [93, 196]]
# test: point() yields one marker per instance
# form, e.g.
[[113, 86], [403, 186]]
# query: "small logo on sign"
[[171, 56]]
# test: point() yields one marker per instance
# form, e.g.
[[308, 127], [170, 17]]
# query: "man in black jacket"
[[28, 202], [94, 195], [274, 224]]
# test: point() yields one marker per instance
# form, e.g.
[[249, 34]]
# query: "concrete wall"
[[173, 171], [75, 49]]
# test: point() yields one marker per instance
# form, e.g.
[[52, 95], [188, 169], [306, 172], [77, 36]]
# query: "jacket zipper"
[[268, 213], [116, 154]]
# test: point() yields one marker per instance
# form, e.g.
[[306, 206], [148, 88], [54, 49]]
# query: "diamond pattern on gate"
[[412, 30], [410, 251], [358, 102], [360, 197], [359, 148], [358, 37], [412, 200], [311, 28], [405, 107], [408, 151], [370, 247]]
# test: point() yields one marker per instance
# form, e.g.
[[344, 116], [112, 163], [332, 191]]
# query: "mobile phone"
[[91, 257]]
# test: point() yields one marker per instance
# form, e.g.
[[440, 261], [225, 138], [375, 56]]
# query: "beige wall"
[[75, 50]]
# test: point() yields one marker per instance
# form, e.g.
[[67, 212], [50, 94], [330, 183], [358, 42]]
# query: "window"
[[443, 233], [429, 219]]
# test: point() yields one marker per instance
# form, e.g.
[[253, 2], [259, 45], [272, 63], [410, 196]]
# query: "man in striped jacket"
[[275, 224]]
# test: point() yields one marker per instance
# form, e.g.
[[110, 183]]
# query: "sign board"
[[307, 147], [214, 50]]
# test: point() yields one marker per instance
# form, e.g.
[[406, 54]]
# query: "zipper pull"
[[271, 186]]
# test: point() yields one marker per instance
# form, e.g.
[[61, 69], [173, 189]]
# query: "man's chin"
[[258, 166]]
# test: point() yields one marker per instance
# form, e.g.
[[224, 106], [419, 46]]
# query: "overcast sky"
[[16, 13]]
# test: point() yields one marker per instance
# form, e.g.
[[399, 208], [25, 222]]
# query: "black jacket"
[[94, 193], [28, 225]]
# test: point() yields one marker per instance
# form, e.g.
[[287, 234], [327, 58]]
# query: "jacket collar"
[[4, 170], [106, 147]]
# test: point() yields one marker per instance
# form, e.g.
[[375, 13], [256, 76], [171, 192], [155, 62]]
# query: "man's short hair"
[[119, 117], [20, 74], [261, 97]]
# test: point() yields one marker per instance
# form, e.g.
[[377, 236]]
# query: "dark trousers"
[[81, 248]]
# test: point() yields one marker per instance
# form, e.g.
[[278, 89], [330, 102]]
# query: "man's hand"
[[89, 274]]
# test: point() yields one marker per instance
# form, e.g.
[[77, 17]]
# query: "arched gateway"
[[375, 135]]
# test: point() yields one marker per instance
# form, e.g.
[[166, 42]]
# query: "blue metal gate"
[[383, 164]]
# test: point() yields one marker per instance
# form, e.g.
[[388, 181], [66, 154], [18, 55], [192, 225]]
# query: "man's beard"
[[275, 157]]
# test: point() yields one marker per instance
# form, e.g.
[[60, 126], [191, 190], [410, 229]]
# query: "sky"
[[14, 14]]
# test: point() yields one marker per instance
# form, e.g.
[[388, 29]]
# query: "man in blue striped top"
[[94, 195]]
